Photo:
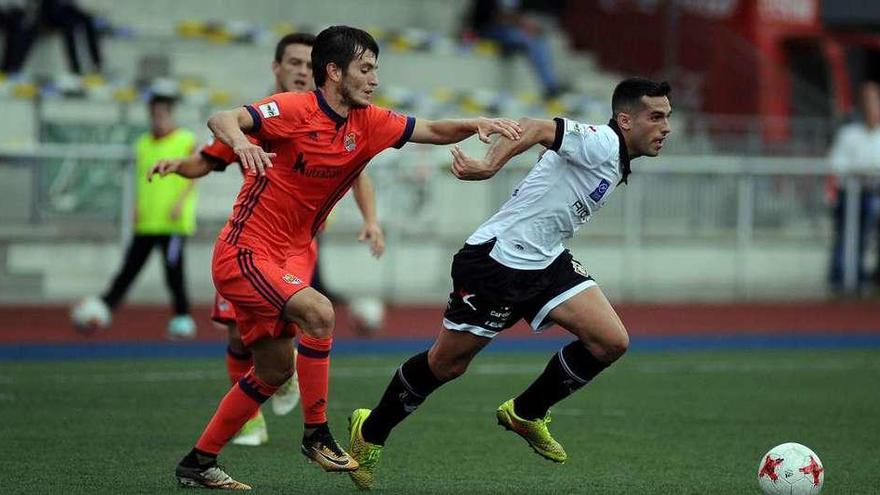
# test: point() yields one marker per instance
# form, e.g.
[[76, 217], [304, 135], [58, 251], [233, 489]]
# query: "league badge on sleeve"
[[270, 110], [578, 128], [600, 190]]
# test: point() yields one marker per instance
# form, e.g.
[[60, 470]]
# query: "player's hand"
[[372, 233], [465, 167], [253, 158], [164, 167], [506, 127]]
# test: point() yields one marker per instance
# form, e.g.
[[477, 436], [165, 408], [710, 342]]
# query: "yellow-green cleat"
[[534, 432], [365, 453], [253, 433]]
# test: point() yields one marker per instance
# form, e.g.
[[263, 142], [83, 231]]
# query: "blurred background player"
[[856, 148], [515, 266], [165, 215], [292, 67], [319, 143]]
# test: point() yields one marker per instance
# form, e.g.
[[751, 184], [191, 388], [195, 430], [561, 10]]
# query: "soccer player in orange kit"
[[292, 68], [313, 146]]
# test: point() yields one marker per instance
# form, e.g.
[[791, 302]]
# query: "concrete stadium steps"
[[243, 69], [443, 16]]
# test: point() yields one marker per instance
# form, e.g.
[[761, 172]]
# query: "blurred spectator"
[[74, 23], [505, 22], [856, 147], [165, 215], [18, 21]]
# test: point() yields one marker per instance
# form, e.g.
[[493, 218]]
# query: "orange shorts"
[[222, 312], [255, 289]]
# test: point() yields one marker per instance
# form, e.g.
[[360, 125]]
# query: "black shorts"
[[488, 297]]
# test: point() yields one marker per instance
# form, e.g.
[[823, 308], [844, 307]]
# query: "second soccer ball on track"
[[90, 314], [367, 314]]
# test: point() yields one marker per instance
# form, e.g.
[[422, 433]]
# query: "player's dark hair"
[[307, 39], [339, 45], [162, 99], [629, 92]]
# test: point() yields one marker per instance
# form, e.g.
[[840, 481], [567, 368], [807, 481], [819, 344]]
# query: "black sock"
[[568, 370], [411, 384], [310, 429], [199, 459]]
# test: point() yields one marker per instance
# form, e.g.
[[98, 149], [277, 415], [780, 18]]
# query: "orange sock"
[[313, 368], [238, 406], [237, 364]]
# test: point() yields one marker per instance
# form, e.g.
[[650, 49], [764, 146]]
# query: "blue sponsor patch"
[[600, 190]]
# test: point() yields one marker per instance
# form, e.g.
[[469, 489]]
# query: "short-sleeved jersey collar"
[[328, 110], [624, 153]]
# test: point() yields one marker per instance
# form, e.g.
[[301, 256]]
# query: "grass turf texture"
[[683, 423]]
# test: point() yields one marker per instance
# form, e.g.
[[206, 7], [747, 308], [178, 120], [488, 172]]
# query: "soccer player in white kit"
[[515, 266]]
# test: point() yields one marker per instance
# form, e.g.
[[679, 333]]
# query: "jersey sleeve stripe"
[[258, 119], [407, 132], [560, 130]]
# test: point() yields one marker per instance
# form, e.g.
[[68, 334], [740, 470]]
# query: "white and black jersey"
[[571, 181], [515, 266]]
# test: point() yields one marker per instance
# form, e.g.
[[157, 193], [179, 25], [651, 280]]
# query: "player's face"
[[650, 125], [161, 119], [294, 72], [360, 80]]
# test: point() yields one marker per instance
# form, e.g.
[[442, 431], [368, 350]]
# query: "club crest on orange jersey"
[[349, 142], [290, 279]]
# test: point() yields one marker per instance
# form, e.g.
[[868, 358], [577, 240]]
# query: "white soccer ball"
[[791, 469], [368, 314], [90, 314]]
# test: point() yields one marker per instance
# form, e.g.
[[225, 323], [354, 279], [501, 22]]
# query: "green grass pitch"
[[665, 423]]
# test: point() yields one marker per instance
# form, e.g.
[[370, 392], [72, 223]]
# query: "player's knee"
[[446, 370], [611, 348], [319, 319]]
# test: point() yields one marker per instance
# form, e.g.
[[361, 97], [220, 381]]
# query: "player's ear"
[[275, 67], [334, 73], [624, 121]]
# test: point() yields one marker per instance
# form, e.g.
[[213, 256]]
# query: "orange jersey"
[[319, 155]]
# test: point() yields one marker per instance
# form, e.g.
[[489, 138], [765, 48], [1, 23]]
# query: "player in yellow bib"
[[165, 215]]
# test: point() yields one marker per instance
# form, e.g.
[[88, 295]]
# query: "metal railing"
[[737, 203]]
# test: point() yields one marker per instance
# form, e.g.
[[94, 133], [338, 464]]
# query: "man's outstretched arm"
[[449, 131], [191, 167], [534, 131]]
